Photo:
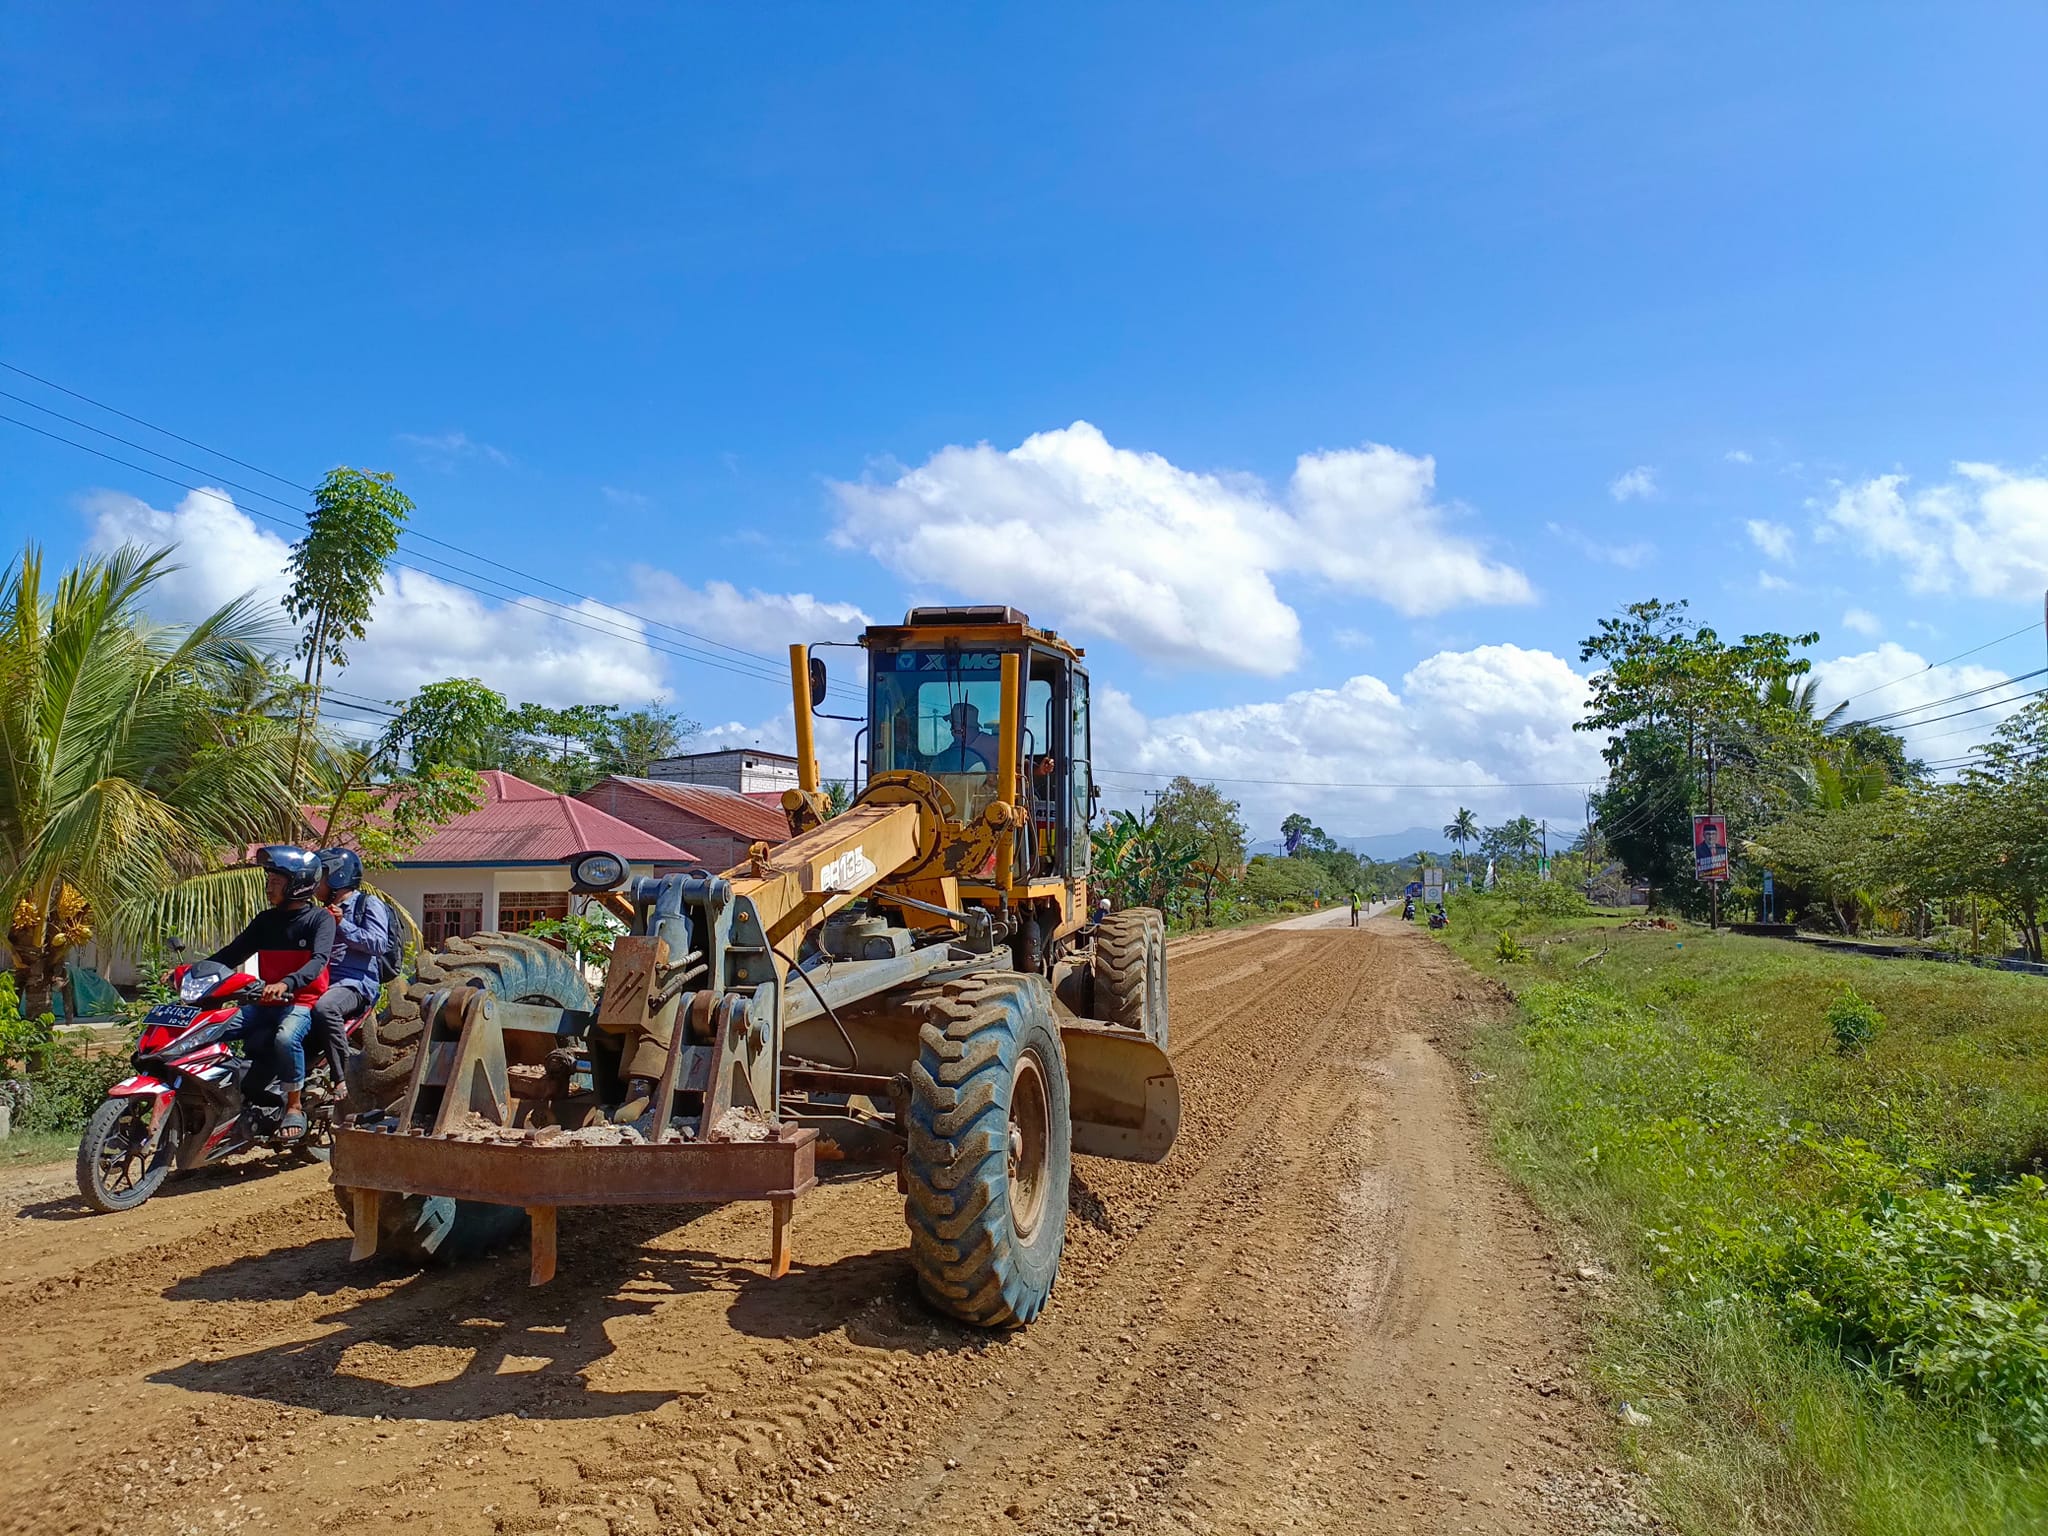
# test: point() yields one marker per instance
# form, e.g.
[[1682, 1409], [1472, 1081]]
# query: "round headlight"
[[597, 872]]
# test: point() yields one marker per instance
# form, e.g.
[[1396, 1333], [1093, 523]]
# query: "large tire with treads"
[[990, 1148], [1130, 971], [512, 968]]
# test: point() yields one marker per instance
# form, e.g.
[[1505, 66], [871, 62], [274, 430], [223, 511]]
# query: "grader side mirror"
[[817, 682]]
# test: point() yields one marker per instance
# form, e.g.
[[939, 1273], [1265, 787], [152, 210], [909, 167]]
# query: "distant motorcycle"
[[1408, 910], [183, 1109], [1439, 918]]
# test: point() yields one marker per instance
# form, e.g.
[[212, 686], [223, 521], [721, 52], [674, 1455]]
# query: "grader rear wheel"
[[1130, 971], [510, 967], [990, 1149]]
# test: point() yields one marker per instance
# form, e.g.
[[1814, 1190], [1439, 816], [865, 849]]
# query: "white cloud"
[[1985, 531], [1768, 581], [424, 629], [1774, 539], [632, 500], [1739, 456], [1491, 716], [1627, 556], [1862, 621], [1638, 484], [1174, 563], [1861, 678], [445, 449]]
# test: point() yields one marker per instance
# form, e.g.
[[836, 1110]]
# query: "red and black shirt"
[[291, 945]]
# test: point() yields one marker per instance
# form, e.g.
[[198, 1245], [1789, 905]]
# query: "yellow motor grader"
[[921, 974]]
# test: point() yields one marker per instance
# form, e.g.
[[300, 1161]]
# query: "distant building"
[[744, 770], [716, 823], [505, 866]]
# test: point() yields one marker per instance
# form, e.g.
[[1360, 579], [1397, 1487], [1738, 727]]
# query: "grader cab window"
[[941, 713]]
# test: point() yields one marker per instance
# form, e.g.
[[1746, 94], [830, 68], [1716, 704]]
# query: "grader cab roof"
[[989, 624]]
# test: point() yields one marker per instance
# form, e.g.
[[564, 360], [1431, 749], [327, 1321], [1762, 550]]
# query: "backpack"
[[391, 959]]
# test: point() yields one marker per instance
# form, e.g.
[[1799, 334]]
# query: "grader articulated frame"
[[920, 973]]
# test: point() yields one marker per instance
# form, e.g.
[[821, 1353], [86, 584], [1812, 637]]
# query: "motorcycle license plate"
[[176, 1015]]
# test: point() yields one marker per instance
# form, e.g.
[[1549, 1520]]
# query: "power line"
[[1967, 693], [2024, 629], [1213, 778], [515, 599], [1980, 708], [411, 534]]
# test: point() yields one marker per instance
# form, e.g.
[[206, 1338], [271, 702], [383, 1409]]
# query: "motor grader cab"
[[917, 976]]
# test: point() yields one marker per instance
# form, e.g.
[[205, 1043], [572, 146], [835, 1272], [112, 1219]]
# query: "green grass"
[[1832, 1253], [26, 1149]]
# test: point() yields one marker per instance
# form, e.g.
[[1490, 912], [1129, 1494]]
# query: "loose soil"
[[1326, 1311]]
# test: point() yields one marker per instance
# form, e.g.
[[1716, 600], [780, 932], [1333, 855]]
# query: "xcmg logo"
[[938, 661]]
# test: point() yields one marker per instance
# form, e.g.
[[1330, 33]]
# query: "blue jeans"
[[276, 1035]]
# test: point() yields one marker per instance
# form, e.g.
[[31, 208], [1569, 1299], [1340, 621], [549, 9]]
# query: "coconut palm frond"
[[205, 910]]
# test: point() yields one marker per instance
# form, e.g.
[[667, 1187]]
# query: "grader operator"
[[919, 973]]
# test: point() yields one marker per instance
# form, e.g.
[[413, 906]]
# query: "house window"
[[454, 916], [520, 910]]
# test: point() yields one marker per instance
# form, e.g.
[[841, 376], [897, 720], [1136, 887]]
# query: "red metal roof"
[[742, 815], [520, 822]]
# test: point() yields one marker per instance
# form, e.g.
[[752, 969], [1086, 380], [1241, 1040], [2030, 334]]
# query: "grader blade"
[[1125, 1100]]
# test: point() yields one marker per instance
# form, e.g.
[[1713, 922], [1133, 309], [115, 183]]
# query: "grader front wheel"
[[511, 967], [990, 1148], [1130, 971]]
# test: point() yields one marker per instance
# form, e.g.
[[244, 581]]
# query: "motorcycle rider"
[[291, 940], [362, 925]]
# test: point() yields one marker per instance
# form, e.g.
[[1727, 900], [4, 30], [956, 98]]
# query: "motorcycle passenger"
[[362, 926], [291, 940]]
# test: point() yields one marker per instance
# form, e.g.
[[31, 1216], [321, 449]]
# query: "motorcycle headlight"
[[193, 989]]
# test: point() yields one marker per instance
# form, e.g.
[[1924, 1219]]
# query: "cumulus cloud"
[[1862, 621], [1638, 484], [1984, 531], [1890, 680], [1496, 715], [1774, 539], [1174, 563], [1627, 556], [1770, 581], [424, 629], [1739, 456], [444, 450]]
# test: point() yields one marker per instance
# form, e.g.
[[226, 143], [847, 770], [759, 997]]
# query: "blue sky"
[[650, 301]]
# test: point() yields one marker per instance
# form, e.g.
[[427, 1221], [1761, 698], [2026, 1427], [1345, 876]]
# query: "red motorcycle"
[[183, 1108]]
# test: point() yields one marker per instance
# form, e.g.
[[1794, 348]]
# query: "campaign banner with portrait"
[[1710, 847]]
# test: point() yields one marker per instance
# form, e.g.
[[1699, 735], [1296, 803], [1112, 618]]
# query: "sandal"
[[292, 1128]]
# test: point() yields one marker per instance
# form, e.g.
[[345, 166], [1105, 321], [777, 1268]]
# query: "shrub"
[[1854, 1020], [1509, 950], [66, 1085], [20, 1036]]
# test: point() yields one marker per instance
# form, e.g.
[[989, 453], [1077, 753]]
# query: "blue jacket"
[[359, 938]]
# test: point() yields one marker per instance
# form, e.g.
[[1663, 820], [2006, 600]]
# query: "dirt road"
[[1326, 1311]]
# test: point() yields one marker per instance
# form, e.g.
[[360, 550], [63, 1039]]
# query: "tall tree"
[[1461, 829], [634, 741], [126, 765], [1210, 824], [337, 572], [576, 738]]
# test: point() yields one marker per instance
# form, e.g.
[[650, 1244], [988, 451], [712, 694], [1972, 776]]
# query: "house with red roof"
[[504, 864], [716, 823]]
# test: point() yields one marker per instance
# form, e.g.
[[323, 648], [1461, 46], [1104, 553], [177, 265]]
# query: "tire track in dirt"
[[1324, 1308]]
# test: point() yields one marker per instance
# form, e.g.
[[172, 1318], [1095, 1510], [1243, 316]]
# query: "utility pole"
[[1544, 827], [1713, 886]]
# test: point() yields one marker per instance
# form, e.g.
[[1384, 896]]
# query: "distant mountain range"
[[1381, 846]]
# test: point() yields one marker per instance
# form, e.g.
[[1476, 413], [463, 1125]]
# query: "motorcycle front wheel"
[[118, 1169]]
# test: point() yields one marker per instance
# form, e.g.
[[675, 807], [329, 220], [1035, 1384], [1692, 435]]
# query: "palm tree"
[[1461, 829], [126, 765]]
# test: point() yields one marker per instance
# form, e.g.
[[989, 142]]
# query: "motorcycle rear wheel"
[[117, 1168]]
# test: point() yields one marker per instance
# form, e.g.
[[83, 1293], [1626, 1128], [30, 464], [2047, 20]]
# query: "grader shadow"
[[474, 1341]]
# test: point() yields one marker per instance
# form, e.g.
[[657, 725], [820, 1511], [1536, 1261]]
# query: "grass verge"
[[1817, 1180]]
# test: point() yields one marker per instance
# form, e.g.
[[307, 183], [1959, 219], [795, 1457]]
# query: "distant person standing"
[[1354, 909]]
